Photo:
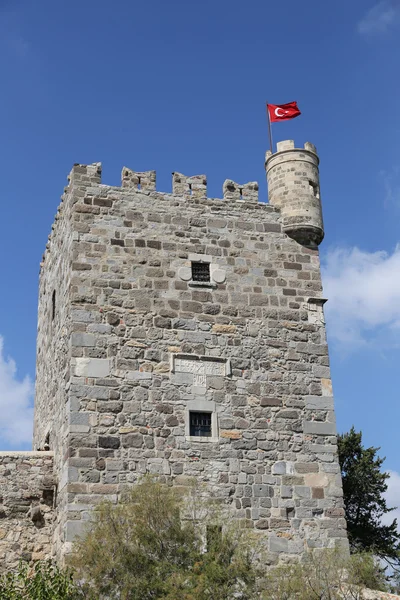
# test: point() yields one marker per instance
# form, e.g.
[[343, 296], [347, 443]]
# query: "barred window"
[[200, 424], [200, 271]]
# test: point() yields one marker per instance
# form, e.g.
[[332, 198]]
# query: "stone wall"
[[26, 507], [144, 345]]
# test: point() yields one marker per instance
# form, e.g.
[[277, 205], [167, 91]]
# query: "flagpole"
[[269, 130]]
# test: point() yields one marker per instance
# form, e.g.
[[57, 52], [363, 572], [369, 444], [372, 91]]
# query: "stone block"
[[319, 428], [322, 449], [319, 402], [83, 339], [286, 491], [311, 467], [109, 441], [230, 434], [132, 440], [224, 328], [92, 367], [278, 544], [283, 468], [262, 491], [79, 418], [74, 529], [302, 491]]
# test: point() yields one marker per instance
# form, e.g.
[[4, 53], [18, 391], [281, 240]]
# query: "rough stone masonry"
[[184, 336]]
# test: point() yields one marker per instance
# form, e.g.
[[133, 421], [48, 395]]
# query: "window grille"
[[200, 271], [200, 424]]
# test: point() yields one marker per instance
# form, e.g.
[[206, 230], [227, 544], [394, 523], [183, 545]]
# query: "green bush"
[[324, 575], [143, 549], [43, 581]]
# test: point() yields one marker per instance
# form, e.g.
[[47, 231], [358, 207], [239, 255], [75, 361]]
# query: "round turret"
[[293, 187]]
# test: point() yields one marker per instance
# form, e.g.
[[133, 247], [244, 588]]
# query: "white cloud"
[[363, 289], [392, 497], [15, 404], [380, 17]]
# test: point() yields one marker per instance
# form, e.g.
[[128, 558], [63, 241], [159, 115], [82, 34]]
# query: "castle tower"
[[183, 336], [293, 187]]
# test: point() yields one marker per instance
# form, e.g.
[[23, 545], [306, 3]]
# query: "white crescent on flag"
[[277, 112]]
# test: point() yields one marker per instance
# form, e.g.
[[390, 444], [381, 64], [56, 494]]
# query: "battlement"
[[138, 180], [287, 146], [247, 192], [84, 179], [194, 186]]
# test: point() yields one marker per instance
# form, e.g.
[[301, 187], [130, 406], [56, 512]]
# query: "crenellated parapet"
[[84, 175], [293, 189], [240, 192], [194, 186], [138, 180]]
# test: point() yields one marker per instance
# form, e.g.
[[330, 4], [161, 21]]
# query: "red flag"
[[283, 112]]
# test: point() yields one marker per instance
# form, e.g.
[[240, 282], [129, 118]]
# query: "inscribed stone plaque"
[[200, 367]]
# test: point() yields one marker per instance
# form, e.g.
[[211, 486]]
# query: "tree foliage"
[[324, 575], [363, 486], [43, 581], [143, 549]]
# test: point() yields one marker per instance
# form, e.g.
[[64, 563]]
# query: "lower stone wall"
[[27, 515]]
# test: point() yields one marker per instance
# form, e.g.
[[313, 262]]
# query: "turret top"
[[288, 146]]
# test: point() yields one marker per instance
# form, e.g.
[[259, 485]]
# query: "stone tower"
[[184, 336], [293, 187]]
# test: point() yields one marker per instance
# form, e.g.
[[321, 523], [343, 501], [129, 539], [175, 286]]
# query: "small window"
[[200, 271], [315, 188], [200, 424]]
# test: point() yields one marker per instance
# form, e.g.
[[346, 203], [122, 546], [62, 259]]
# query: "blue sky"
[[181, 86]]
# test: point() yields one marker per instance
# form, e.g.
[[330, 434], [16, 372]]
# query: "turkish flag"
[[283, 112]]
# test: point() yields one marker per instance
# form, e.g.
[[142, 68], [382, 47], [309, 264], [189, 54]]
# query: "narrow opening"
[[315, 188], [200, 271], [213, 537], [47, 442], [190, 189], [200, 424], [139, 185], [241, 193], [53, 305], [48, 497], [290, 513]]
